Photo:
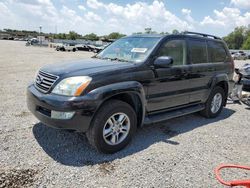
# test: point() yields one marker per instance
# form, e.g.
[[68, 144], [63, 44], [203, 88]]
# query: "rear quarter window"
[[216, 51], [198, 51]]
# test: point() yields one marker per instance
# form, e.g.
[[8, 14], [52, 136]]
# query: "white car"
[[66, 47]]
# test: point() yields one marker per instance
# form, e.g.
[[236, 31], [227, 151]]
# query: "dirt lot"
[[178, 153]]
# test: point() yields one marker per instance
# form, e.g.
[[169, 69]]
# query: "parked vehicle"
[[242, 84], [243, 55], [245, 74], [59, 47], [248, 55], [135, 81], [33, 41], [82, 47], [66, 47], [239, 56], [95, 49]]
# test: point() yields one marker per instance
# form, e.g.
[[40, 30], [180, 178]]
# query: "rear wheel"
[[112, 127], [215, 103]]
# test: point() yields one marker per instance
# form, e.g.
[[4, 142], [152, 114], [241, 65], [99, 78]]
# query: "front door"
[[170, 88]]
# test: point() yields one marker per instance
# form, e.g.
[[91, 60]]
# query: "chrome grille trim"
[[44, 81]]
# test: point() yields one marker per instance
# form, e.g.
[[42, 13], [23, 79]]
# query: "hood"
[[84, 67]]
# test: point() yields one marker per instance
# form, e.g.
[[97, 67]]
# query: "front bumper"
[[41, 106]]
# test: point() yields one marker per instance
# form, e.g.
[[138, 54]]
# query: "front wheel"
[[112, 127], [214, 104]]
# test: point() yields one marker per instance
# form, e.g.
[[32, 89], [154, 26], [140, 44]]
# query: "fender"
[[218, 78], [101, 94], [215, 80]]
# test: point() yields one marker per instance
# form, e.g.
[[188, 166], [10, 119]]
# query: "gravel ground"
[[181, 152]]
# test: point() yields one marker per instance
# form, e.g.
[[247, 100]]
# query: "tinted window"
[[216, 52], [198, 51], [175, 49]]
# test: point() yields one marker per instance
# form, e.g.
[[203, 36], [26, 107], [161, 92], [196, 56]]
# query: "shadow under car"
[[73, 149]]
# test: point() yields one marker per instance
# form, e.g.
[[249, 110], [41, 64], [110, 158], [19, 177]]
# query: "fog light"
[[61, 115]]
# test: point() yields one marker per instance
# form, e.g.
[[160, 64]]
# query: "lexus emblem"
[[39, 79]]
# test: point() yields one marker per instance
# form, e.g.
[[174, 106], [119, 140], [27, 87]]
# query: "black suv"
[[137, 80]]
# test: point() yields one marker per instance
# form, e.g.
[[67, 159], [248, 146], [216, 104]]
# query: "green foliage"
[[115, 35], [73, 35], [175, 32], [238, 39], [148, 30], [22, 33], [164, 33], [60, 36], [246, 44], [91, 36]]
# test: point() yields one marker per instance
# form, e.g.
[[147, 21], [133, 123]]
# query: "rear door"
[[207, 58]]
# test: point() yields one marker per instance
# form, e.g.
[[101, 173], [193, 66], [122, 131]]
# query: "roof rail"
[[201, 34]]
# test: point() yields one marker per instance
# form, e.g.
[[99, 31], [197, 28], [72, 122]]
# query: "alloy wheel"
[[116, 128]]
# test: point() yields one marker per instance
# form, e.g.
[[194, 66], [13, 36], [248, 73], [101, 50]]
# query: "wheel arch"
[[131, 92], [222, 81], [224, 86], [134, 101]]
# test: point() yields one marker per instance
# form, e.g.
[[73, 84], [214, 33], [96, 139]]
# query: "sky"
[[218, 17]]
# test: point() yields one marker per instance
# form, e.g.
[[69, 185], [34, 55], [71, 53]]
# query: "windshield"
[[134, 49]]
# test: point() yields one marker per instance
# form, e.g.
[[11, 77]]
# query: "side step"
[[172, 114]]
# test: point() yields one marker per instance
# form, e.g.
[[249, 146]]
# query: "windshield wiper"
[[117, 59], [112, 59]]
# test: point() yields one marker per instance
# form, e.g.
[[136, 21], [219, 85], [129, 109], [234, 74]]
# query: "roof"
[[186, 33], [147, 35]]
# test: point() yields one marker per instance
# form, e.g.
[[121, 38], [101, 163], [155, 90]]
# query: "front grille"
[[44, 81]]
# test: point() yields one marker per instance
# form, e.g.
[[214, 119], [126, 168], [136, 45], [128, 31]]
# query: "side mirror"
[[163, 62]]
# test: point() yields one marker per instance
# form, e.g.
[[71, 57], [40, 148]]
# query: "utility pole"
[[40, 39]]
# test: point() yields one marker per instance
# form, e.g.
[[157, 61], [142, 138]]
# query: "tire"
[[210, 112], [74, 50], [112, 109]]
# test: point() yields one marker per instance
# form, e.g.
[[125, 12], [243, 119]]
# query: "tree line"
[[72, 35], [92, 36], [238, 39]]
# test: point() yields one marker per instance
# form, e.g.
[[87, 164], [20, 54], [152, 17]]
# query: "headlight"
[[72, 86]]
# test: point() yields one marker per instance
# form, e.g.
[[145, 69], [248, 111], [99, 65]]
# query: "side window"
[[216, 52], [198, 51], [175, 49]]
